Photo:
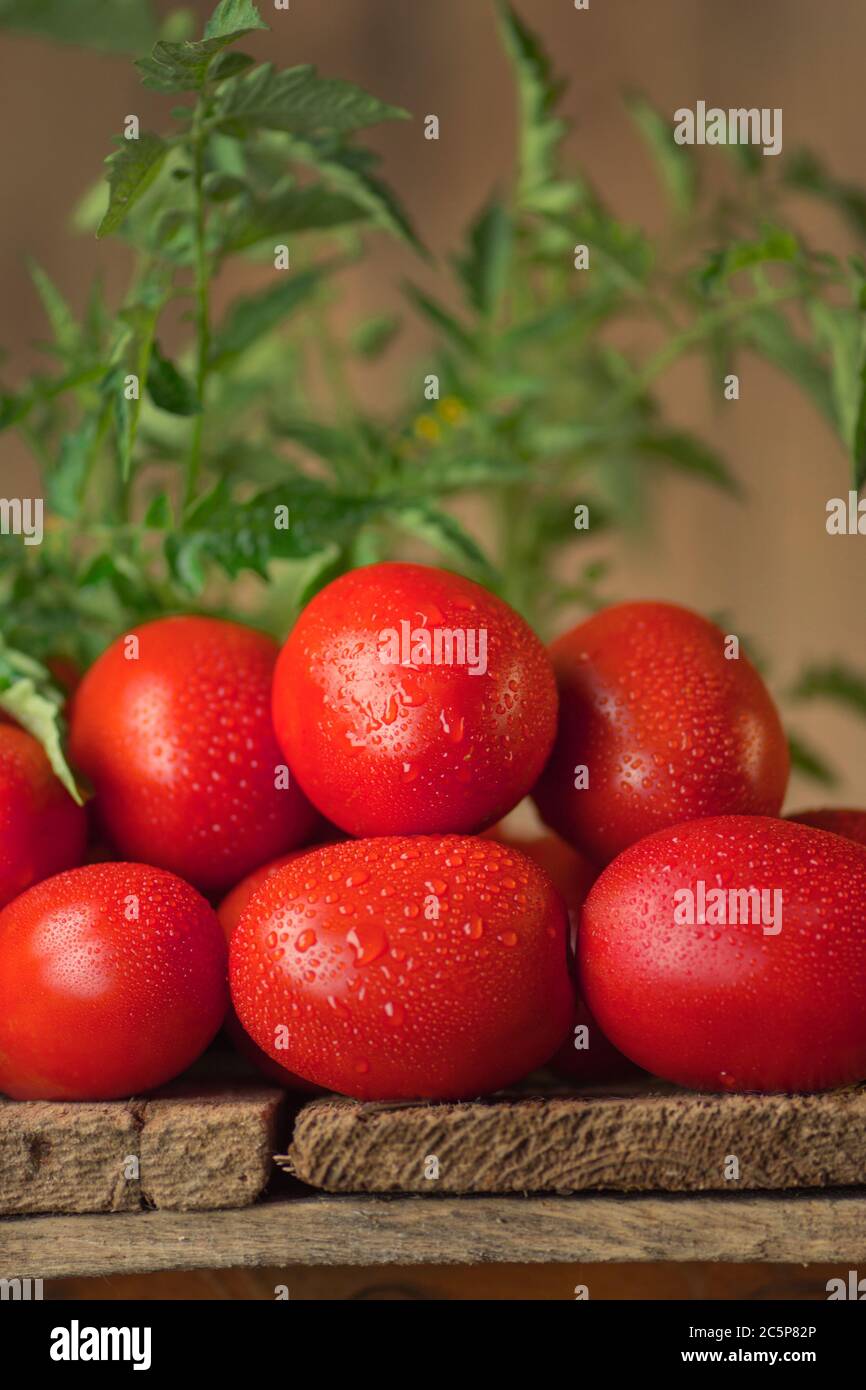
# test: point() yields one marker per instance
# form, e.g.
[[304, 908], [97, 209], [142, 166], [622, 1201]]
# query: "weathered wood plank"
[[803, 1228], [193, 1146], [63, 1157], [664, 1140]]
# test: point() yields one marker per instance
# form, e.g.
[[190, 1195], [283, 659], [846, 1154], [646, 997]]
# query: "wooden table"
[[295, 1229]]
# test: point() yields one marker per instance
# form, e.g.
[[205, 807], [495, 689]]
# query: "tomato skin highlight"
[[229, 914], [844, 821], [669, 729], [180, 748], [380, 1000], [731, 1007], [42, 830], [386, 748], [96, 1003]]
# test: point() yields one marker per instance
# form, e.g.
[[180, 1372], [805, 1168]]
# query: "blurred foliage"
[[160, 498]]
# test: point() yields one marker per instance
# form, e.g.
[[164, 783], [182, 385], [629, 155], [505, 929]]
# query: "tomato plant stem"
[[202, 303]]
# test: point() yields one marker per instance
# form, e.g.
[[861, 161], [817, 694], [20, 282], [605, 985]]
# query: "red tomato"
[[774, 1004], [229, 914], [396, 968], [586, 1056], [112, 981], [42, 831], [667, 727], [179, 745], [848, 823], [387, 739]]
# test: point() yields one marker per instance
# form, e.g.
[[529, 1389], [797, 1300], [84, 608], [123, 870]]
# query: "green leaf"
[[187, 66], [839, 330], [836, 682], [625, 251], [158, 516], [325, 441], [441, 318], [233, 18], [808, 763], [63, 324], [675, 163], [771, 334], [66, 481], [691, 455], [298, 210], [239, 536], [131, 171], [28, 694], [776, 244], [858, 446], [168, 388], [250, 318], [539, 93], [805, 172], [484, 268], [441, 531], [100, 570], [373, 337], [297, 100], [113, 26], [349, 172]]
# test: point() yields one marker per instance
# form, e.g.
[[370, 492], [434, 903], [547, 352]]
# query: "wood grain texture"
[[63, 1157], [369, 1231], [196, 1145], [663, 1140]]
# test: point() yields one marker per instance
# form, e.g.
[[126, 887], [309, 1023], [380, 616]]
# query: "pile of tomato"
[[304, 846]]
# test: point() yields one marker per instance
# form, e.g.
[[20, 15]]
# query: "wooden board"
[[319, 1230], [638, 1139], [195, 1145]]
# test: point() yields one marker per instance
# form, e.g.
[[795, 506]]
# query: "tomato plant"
[[707, 985], [42, 830], [172, 726], [656, 725], [112, 981], [410, 700], [405, 967]]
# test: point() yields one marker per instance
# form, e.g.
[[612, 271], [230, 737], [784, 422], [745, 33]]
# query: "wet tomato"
[[410, 700], [405, 967], [657, 725], [112, 981], [730, 954], [172, 725]]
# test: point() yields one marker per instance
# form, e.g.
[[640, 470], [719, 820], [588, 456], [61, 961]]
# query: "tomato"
[[848, 823], [385, 736], [403, 968], [773, 1003], [42, 830], [586, 1056], [179, 745], [667, 728], [112, 981], [229, 913]]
